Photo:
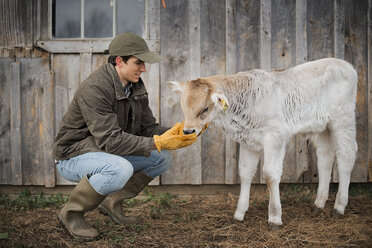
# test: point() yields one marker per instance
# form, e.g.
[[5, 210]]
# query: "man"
[[108, 140]]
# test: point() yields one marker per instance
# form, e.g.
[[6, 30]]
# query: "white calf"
[[263, 109]]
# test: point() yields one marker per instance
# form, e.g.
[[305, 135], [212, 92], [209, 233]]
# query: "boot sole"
[[72, 234], [104, 211]]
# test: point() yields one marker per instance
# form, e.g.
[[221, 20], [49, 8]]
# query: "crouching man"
[[108, 140]]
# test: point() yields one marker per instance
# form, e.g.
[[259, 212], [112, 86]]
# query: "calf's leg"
[[274, 153], [346, 147], [325, 152], [248, 162]]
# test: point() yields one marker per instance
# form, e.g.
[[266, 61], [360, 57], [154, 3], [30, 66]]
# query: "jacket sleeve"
[[96, 107], [149, 127]]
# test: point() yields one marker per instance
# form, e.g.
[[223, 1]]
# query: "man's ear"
[[220, 101], [177, 87], [118, 61]]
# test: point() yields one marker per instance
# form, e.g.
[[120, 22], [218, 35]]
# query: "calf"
[[263, 109]]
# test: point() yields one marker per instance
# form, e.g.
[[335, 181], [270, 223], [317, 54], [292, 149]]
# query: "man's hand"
[[174, 138]]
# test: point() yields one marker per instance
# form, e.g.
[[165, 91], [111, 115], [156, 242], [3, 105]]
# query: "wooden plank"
[[75, 46], [8, 24], [320, 44], [231, 165], [44, 19], [195, 72], [301, 31], [339, 51], [301, 148], [194, 36], [152, 81], [356, 53], [265, 48], [85, 65], [27, 18], [265, 53], [152, 76], [15, 20], [320, 39], [67, 78], [153, 20], [283, 55], [15, 124], [283, 34], [48, 129], [339, 27], [98, 60], [369, 51], [5, 123], [248, 26], [32, 125], [175, 66], [213, 62], [66, 69], [231, 37], [36, 20]]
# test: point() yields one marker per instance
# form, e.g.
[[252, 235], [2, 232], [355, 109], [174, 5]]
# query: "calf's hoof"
[[315, 211], [337, 214], [239, 216], [274, 227]]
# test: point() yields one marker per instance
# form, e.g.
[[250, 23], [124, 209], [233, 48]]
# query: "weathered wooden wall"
[[38, 77]]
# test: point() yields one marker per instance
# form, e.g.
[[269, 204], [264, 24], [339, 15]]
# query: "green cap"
[[132, 44]]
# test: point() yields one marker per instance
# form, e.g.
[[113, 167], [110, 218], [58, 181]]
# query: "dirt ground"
[[204, 221]]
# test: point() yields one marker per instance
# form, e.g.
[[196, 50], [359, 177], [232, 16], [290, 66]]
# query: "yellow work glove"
[[174, 138]]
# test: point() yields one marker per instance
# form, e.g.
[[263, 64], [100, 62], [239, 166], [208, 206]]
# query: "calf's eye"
[[204, 110]]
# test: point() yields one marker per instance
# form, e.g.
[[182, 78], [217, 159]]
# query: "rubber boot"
[[82, 199], [112, 205]]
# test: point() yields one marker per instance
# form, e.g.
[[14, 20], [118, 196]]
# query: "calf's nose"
[[188, 131]]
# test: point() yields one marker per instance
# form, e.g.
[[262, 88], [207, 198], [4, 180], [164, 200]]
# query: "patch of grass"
[[194, 216], [187, 217], [4, 235], [115, 238], [355, 189], [139, 228], [160, 202], [298, 193], [149, 195], [131, 239], [129, 203], [360, 189], [26, 201], [307, 193]]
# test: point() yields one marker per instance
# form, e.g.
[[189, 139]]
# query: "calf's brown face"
[[199, 100]]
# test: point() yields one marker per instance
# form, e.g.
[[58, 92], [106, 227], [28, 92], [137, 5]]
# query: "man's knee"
[[120, 171], [166, 160], [161, 163]]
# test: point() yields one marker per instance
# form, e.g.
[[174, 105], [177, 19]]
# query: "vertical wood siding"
[[195, 38], [356, 48]]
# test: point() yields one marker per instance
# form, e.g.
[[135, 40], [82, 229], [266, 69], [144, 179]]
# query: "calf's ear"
[[177, 87], [220, 101]]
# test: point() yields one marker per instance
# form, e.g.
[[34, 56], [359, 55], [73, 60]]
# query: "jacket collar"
[[137, 88]]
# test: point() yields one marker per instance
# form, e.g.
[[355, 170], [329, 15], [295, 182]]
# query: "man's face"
[[130, 71]]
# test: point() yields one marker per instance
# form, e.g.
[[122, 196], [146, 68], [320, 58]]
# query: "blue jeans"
[[108, 173]]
